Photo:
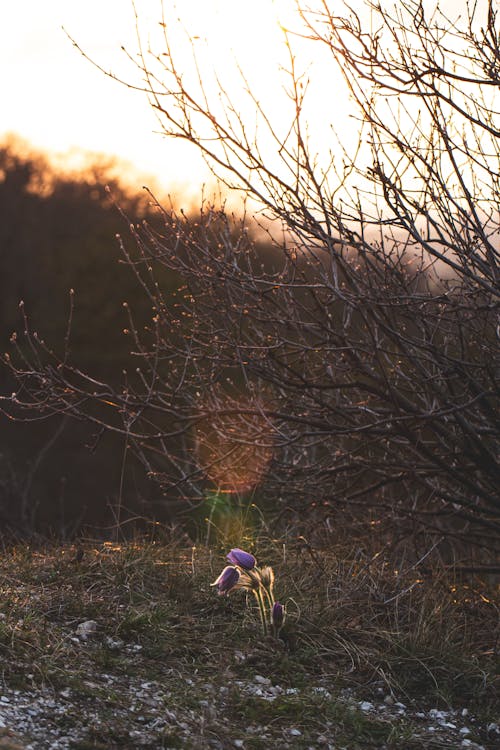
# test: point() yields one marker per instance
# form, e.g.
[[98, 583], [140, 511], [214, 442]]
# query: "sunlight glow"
[[234, 445], [60, 102]]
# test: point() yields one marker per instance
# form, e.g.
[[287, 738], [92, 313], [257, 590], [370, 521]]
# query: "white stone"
[[322, 691], [261, 680], [366, 706], [434, 713], [295, 732], [86, 628], [114, 644]]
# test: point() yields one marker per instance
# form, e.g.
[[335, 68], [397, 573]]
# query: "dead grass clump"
[[426, 636], [352, 619]]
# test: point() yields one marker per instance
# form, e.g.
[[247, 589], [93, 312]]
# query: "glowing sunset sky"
[[56, 100]]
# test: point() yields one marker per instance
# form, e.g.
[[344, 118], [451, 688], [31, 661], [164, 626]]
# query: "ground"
[[126, 645]]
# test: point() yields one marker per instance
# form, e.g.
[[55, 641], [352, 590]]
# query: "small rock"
[[366, 706], [322, 691], [89, 627], [262, 680], [295, 732], [136, 647], [493, 728], [114, 644], [464, 731], [389, 700], [238, 743]]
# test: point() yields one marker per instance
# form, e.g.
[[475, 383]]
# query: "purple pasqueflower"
[[227, 580], [243, 559], [277, 616]]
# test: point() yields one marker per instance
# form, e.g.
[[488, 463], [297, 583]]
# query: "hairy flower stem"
[[262, 610], [269, 596]]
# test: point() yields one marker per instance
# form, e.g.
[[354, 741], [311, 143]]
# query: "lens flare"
[[234, 442]]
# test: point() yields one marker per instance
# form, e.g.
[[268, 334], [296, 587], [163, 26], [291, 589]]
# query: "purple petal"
[[244, 559], [227, 580]]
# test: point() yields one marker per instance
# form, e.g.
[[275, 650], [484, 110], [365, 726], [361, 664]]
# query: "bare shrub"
[[356, 361]]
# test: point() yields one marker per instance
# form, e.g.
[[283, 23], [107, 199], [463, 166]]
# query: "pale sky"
[[56, 100]]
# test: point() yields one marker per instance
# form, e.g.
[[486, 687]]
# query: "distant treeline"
[[58, 233], [62, 270]]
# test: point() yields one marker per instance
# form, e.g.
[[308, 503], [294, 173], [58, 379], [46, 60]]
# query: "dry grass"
[[353, 622]]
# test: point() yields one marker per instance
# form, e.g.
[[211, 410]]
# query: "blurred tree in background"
[[58, 233]]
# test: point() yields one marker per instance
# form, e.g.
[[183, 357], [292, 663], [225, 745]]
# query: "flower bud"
[[277, 617]]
